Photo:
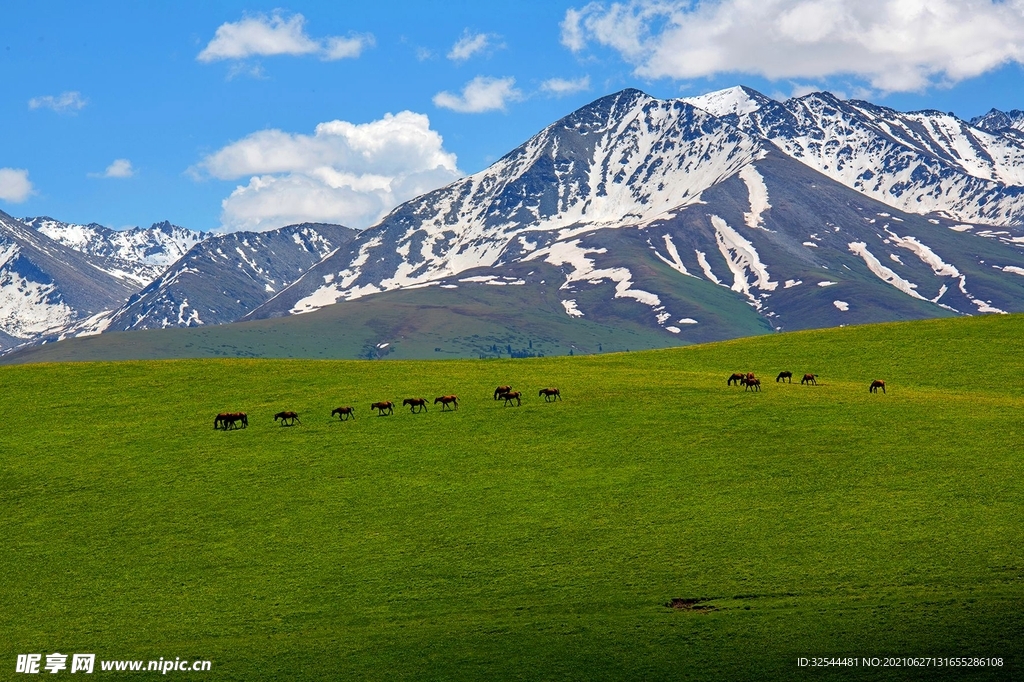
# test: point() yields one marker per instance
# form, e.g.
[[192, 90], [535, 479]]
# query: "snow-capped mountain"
[[996, 121], [44, 285], [680, 220], [223, 277], [921, 162], [139, 255], [776, 202], [622, 161]]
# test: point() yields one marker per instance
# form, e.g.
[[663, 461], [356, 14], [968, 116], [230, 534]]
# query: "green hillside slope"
[[533, 542]]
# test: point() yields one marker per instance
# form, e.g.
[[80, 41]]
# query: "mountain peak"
[[738, 100]]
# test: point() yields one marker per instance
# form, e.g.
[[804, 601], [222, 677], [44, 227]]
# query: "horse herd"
[[752, 383], [239, 420]]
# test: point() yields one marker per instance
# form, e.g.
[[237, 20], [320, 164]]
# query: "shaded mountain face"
[[225, 276], [45, 285], [138, 255]]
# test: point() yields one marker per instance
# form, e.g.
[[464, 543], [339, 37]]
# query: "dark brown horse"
[[230, 420], [751, 383], [738, 378], [550, 394], [501, 389], [344, 413], [413, 403], [809, 379], [287, 418], [784, 375], [509, 396], [875, 385], [447, 400], [383, 407]]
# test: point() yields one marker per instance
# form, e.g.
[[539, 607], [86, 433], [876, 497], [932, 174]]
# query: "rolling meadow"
[[546, 541]]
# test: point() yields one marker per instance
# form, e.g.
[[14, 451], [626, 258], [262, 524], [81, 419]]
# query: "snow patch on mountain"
[[883, 273], [570, 308], [583, 270], [925, 254], [758, 192], [675, 261], [742, 258]]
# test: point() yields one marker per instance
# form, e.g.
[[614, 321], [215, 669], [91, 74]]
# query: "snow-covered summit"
[[738, 100]]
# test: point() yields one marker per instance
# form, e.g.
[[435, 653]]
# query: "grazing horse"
[[809, 379], [287, 418], [344, 413], [738, 378], [413, 403], [784, 375], [501, 389], [447, 400], [875, 385], [751, 383], [385, 406], [509, 396], [550, 394], [226, 420]]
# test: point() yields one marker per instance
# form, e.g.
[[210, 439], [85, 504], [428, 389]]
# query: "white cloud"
[[470, 44], [70, 101], [262, 35], [345, 173], [895, 45], [561, 86], [479, 95], [120, 168], [15, 186]]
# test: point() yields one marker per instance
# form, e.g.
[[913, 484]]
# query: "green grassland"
[[533, 542]]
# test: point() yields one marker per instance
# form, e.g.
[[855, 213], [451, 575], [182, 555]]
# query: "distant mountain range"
[[137, 254], [62, 279], [683, 220]]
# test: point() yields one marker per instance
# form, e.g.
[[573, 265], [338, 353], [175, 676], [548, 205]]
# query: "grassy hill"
[[541, 541]]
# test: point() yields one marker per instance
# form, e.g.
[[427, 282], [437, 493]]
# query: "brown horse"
[[550, 394], [344, 413], [230, 420], [875, 385], [287, 418], [784, 375], [509, 396], [447, 400], [384, 406], [751, 383], [413, 403], [738, 378], [809, 379], [501, 389]]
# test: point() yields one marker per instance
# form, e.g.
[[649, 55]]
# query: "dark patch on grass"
[[691, 604]]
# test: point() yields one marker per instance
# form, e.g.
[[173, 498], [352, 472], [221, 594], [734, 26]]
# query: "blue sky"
[[205, 114]]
